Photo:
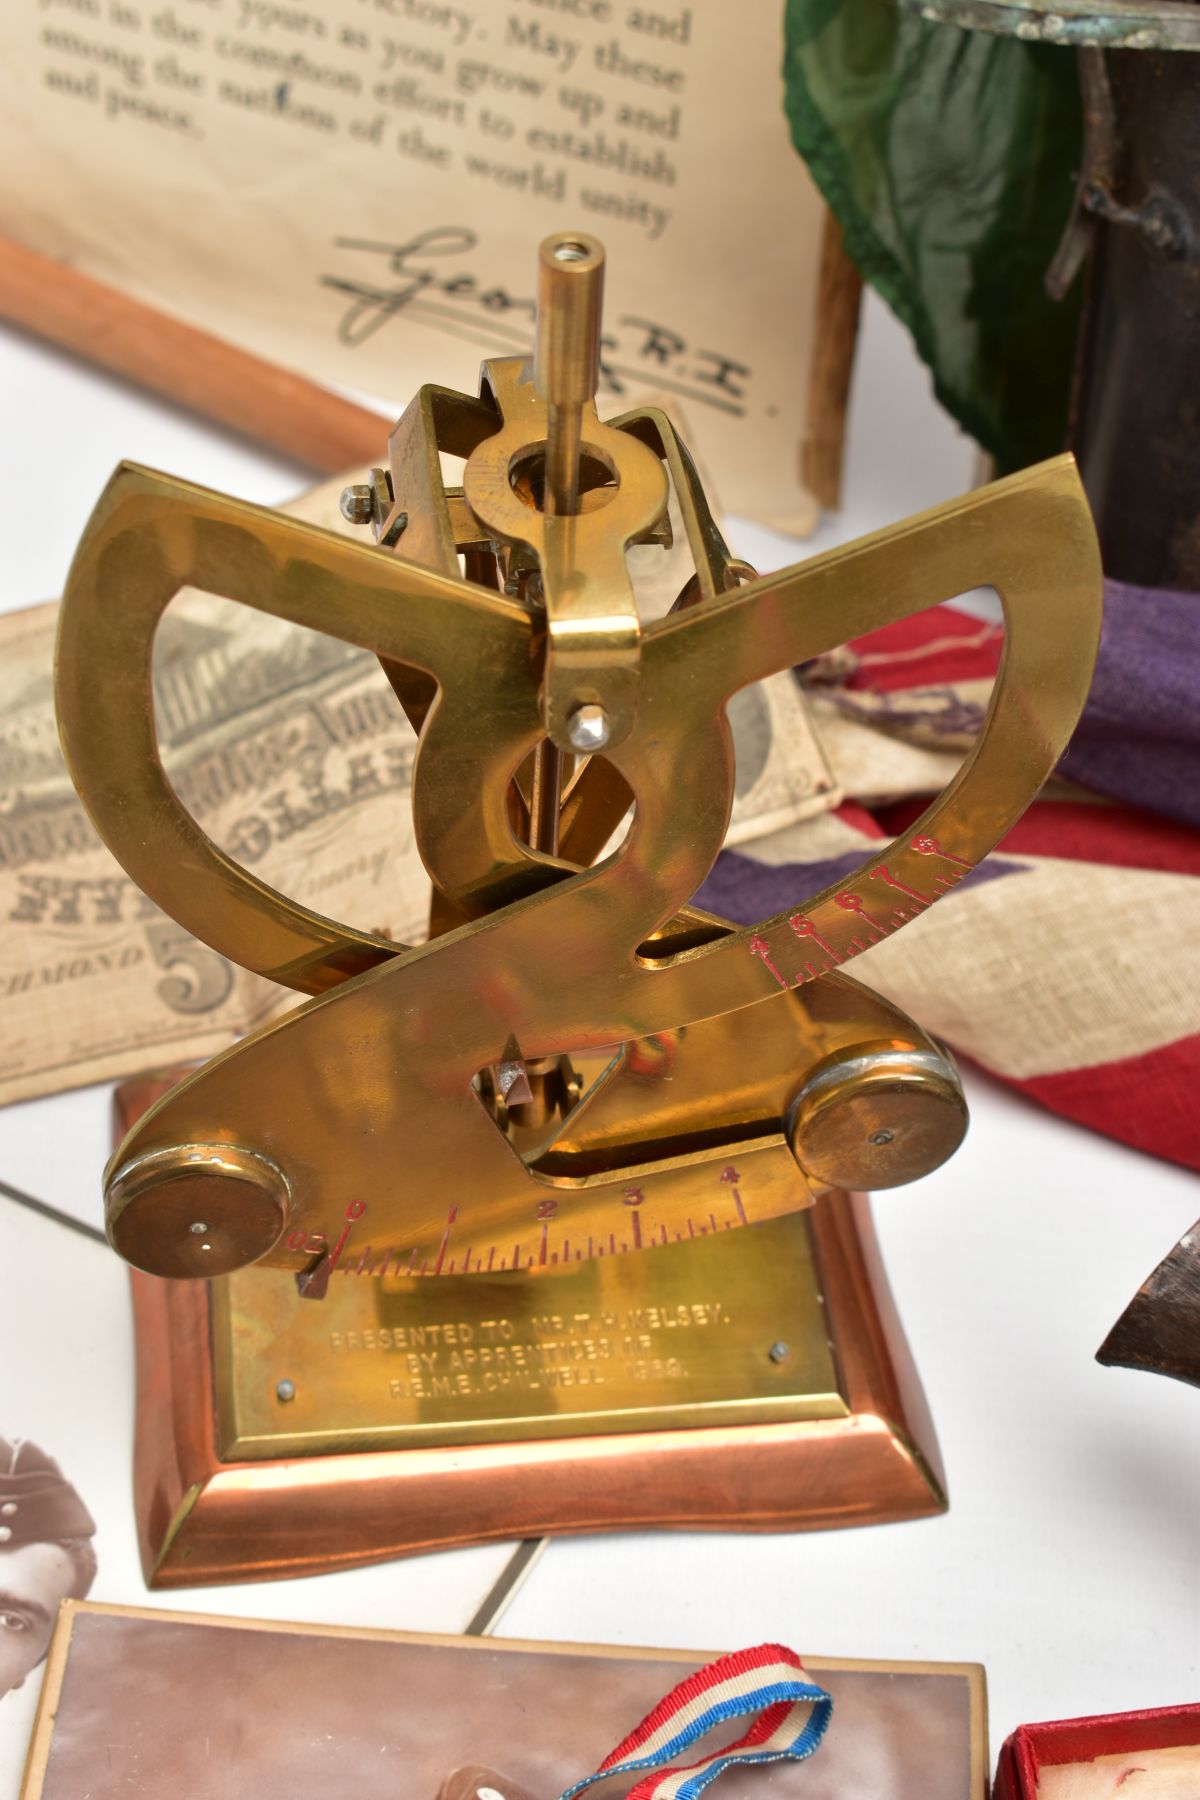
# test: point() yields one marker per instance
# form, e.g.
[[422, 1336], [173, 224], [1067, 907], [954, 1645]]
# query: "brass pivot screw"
[[196, 1210], [357, 503], [587, 728], [566, 360], [876, 1117]]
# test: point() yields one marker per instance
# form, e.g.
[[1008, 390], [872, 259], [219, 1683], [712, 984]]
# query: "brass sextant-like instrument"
[[578, 1063]]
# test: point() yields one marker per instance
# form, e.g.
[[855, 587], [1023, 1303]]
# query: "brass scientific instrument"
[[579, 1063]]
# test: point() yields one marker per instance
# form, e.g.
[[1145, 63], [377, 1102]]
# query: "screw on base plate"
[[779, 1352], [285, 1390]]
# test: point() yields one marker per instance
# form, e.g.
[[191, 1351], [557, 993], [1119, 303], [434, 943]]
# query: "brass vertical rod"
[[546, 798], [564, 436]]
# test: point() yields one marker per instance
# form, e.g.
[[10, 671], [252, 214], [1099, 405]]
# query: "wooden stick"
[[272, 406], [839, 293]]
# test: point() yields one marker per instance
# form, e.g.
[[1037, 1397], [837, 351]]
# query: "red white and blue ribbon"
[[790, 1718]]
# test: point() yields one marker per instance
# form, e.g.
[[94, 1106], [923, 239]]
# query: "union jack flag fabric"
[[1068, 963], [790, 1717]]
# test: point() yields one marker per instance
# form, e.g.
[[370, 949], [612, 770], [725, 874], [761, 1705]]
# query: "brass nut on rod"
[[196, 1210], [877, 1118]]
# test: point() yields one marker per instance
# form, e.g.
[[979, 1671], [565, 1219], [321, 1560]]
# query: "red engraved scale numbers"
[[546, 1210], [732, 1178], [927, 846], [634, 1197], [875, 928], [900, 914], [760, 947], [315, 1243], [854, 903], [804, 928]]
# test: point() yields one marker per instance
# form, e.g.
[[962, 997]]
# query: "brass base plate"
[[720, 1331]]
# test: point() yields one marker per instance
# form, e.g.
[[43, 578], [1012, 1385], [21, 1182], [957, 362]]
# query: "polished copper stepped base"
[[202, 1518]]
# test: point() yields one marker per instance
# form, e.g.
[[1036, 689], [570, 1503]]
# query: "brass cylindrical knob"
[[876, 1117], [570, 299], [566, 358], [196, 1210]]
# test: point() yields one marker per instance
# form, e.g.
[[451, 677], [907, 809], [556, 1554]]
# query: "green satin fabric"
[[949, 158]]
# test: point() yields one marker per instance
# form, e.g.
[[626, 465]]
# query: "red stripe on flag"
[[938, 646], [859, 819], [1146, 1101], [1123, 836]]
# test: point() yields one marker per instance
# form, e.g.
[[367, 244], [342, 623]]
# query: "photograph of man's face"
[[46, 1555]]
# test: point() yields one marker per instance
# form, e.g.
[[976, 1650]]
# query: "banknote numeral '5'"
[[208, 979]]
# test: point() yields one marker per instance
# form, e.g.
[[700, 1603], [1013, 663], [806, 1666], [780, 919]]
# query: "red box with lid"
[[1032, 1748]]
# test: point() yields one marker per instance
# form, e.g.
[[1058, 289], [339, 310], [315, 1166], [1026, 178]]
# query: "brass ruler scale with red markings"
[[580, 1078]]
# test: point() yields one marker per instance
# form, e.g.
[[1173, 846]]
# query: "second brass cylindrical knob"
[[877, 1117], [196, 1210]]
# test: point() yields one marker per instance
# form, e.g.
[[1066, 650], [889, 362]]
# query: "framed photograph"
[[147, 1705]]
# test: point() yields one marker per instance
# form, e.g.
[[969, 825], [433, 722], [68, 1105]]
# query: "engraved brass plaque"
[[715, 1332]]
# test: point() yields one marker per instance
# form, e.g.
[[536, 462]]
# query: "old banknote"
[[291, 751]]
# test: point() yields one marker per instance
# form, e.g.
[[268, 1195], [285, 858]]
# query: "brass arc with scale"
[[578, 1064]]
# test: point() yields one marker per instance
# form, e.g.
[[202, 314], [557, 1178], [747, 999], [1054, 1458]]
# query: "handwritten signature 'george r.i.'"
[[409, 278]]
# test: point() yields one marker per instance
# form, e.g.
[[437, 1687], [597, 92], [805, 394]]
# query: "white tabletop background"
[[1069, 1563]]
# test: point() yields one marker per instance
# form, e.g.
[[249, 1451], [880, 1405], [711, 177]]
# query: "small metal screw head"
[[285, 1390], [587, 728], [882, 1137], [198, 1228], [358, 503], [779, 1352]]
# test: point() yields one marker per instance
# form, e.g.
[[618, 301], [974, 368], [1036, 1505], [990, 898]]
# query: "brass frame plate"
[[204, 1519]]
